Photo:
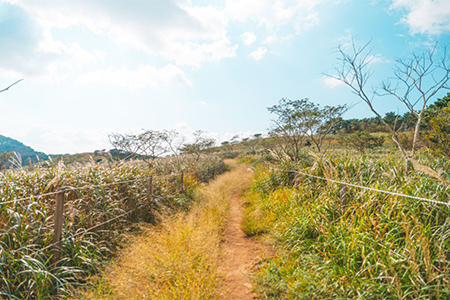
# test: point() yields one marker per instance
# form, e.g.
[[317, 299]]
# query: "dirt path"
[[200, 254], [240, 255]]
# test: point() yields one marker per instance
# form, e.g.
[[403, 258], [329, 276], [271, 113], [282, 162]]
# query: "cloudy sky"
[[92, 67]]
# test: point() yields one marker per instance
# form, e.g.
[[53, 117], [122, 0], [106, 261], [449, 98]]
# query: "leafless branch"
[[416, 81], [5, 89]]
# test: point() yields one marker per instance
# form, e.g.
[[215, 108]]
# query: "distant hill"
[[27, 153]]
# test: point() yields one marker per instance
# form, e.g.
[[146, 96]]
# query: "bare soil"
[[240, 256]]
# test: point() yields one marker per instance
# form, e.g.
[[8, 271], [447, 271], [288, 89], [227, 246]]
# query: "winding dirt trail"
[[200, 254], [240, 256]]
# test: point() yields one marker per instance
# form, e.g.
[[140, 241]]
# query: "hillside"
[[27, 153]]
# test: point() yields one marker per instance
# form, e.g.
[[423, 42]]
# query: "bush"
[[438, 135], [362, 140]]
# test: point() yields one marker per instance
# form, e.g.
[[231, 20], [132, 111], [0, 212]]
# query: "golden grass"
[[179, 258]]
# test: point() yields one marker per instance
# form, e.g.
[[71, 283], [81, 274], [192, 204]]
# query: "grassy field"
[[102, 192], [361, 245], [179, 259], [375, 246]]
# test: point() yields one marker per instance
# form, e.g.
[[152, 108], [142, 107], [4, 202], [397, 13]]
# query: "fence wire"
[[365, 187], [89, 229], [68, 188]]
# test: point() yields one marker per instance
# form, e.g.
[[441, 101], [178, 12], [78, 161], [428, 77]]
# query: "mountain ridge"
[[27, 153]]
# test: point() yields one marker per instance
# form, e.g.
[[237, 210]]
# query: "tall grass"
[[375, 247], [26, 227], [179, 259]]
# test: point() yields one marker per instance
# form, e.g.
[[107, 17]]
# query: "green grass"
[[26, 227], [376, 247], [180, 257]]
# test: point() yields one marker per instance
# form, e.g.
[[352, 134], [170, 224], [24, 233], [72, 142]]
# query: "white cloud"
[[142, 77], [258, 54], [56, 140], [332, 82], [229, 135], [309, 21], [281, 19], [248, 38], [10, 74], [272, 14], [176, 31], [425, 16], [377, 58], [32, 52], [187, 131]]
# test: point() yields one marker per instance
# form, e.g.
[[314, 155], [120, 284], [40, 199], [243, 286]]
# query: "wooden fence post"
[[59, 211], [182, 182], [150, 187], [343, 197]]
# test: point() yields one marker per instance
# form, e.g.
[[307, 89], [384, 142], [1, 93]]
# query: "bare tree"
[[199, 145], [174, 141], [6, 89], [152, 144], [415, 81], [147, 145], [125, 143]]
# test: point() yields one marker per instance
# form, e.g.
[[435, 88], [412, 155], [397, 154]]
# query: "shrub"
[[362, 140]]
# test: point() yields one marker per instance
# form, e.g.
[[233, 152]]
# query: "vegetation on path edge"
[[178, 259], [370, 246]]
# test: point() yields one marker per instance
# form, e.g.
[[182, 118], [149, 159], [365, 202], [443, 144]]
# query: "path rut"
[[240, 256]]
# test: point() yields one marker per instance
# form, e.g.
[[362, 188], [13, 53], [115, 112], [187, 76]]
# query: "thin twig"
[[5, 89]]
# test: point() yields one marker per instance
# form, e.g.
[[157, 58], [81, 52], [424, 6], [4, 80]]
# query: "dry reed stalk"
[[179, 258]]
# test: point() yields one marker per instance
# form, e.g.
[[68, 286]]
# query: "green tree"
[[297, 120], [438, 134], [252, 142], [289, 126], [363, 140], [391, 118], [320, 121], [435, 108]]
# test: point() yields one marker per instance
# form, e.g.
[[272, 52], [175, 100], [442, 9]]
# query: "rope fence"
[[89, 229], [60, 197], [83, 188], [365, 187]]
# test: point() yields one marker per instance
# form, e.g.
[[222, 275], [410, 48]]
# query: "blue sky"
[[92, 67]]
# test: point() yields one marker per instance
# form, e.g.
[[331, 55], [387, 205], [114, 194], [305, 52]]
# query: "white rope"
[[91, 228], [29, 197], [366, 188], [103, 185], [85, 187], [71, 189]]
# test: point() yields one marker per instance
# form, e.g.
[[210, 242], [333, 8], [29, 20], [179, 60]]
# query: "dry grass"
[[374, 247], [102, 191], [179, 258]]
